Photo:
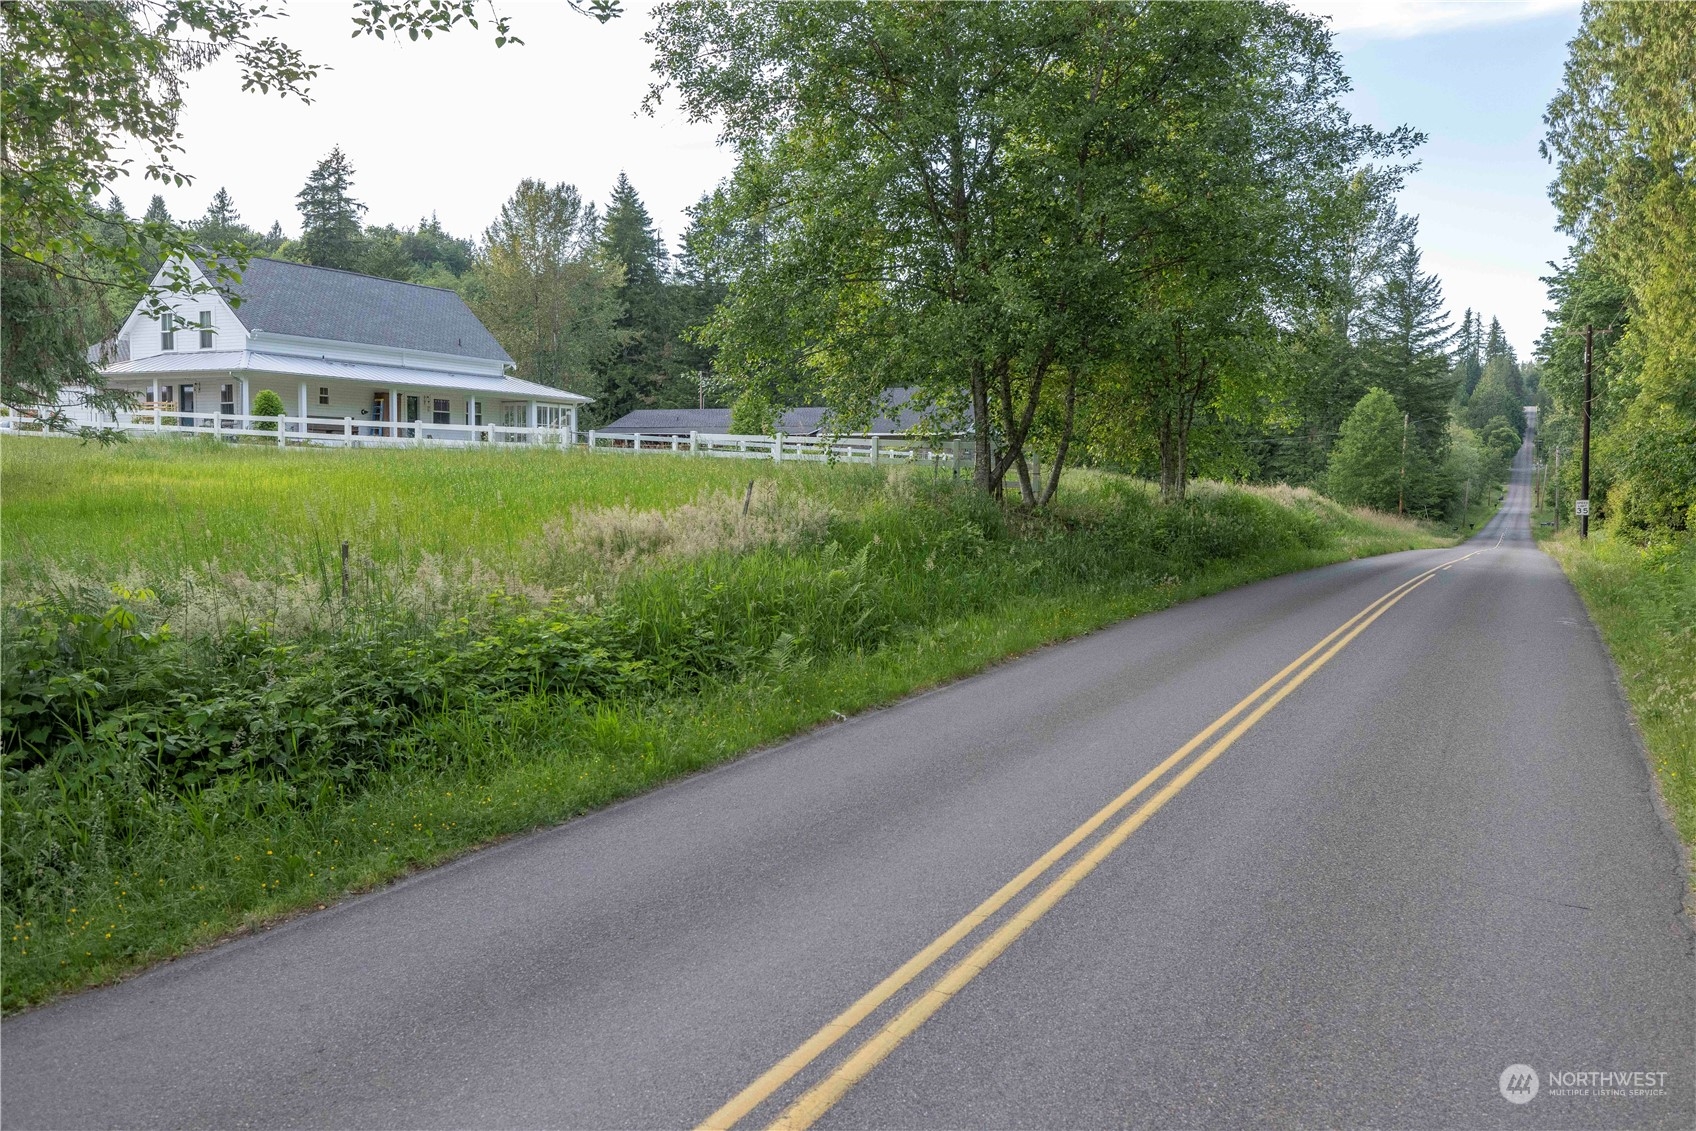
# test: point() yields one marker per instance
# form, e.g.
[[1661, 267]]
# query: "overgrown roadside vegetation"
[[1643, 599], [201, 732]]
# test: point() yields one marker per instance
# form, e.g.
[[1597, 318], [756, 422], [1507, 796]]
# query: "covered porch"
[[339, 402]]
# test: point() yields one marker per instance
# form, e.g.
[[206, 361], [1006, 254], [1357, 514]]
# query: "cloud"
[[1404, 19]]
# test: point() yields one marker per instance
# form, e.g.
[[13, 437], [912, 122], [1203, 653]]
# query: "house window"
[[167, 331], [227, 399], [474, 412], [323, 394], [206, 329], [440, 411], [550, 416]]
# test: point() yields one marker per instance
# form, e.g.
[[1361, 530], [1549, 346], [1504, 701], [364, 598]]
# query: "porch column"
[[530, 420], [572, 414], [246, 406], [302, 413]]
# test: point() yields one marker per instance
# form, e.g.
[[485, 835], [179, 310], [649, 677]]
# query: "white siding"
[[144, 334]]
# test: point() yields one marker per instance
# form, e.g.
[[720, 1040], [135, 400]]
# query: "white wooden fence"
[[287, 431], [813, 449]]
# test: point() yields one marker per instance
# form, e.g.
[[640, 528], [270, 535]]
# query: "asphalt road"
[[1435, 857]]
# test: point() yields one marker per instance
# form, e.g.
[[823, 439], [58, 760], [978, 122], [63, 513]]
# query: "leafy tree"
[[961, 197], [431, 249], [1366, 465], [1325, 348], [753, 414], [81, 85], [542, 288], [330, 225], [1622, 132]]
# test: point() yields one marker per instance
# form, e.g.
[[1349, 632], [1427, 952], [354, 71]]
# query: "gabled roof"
[[279, 297]]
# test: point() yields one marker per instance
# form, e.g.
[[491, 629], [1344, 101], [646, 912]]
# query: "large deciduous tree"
[[1368, 464], [1622, 132], [1002, 203], [81, 83], [543, 289]]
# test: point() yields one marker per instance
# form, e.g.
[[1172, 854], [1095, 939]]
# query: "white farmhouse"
[[350, 355]]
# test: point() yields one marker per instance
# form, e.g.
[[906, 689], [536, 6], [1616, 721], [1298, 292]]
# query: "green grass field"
[[161, 507], [201, 732]]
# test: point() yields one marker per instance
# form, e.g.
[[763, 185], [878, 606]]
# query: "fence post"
[[777, 448], [875, 447], [282, 431], [347, 431], [591, 439]]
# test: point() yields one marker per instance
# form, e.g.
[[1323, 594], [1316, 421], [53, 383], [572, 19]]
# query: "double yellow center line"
[[821, 1097]]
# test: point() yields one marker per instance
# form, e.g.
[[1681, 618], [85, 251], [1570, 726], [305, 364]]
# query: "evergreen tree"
[[697, 289], [222, 224], [1495, 396], [330, 217], [431, 249], [639, 368], [275, 238], [1366, 464], [156, 212], [1469, 352], [221, 210], [1407, 335], [1496, 345]]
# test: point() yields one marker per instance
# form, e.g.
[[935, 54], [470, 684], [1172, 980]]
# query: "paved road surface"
[[1438, 856]]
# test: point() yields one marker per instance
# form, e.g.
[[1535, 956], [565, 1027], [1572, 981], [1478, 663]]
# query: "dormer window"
[[206, 334], [167, 331]]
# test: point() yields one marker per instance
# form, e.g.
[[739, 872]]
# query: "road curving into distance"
[[1341, 847]]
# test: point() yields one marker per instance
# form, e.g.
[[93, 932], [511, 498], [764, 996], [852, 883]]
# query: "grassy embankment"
[[202, 732], [1643, 600]]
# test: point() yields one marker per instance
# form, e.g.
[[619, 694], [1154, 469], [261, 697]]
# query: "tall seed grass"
[[222, 736]]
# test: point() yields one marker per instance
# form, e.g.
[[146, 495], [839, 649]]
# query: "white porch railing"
[[814, 449]]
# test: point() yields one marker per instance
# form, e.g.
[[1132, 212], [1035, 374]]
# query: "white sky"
[[452, 124]]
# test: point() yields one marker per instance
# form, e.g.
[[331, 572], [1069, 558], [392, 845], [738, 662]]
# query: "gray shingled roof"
[[319, 302]]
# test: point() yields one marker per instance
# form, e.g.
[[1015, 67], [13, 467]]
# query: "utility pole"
[[1401, 486], [1584, 459], [1557, 488]]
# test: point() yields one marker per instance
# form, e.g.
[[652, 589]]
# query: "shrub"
[[267, 403]]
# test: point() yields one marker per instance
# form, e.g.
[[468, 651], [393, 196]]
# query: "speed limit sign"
[[1581, 508]]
